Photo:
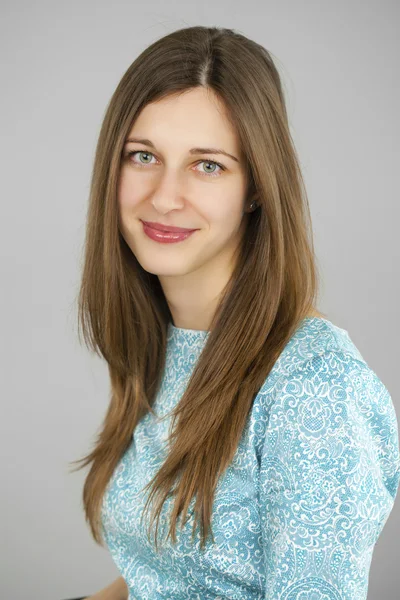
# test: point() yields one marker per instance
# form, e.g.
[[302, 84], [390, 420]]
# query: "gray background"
[[61, 62]]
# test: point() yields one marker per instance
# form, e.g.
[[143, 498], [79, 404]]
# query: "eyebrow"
[[149, 143]]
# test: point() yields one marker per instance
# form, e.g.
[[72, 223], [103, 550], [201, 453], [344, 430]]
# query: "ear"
[[251, 203]]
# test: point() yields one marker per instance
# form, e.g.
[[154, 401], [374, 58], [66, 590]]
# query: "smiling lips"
[[166, 237], [167, 228]]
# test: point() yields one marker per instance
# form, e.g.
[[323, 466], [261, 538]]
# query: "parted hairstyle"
[[123, 312]]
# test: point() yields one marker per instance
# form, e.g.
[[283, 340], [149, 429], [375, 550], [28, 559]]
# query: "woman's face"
[[167, 182]]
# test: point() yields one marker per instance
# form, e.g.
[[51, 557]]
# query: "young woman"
[[264, 443]]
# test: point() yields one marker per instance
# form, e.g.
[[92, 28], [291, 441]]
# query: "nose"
[[167, 194]]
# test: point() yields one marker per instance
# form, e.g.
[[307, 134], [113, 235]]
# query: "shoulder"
[[322, 389], [313, 338], [321, 353], [319, 360], [316, 346]]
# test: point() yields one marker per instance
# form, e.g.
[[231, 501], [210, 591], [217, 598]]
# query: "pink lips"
[[168, 228], [166, 237]]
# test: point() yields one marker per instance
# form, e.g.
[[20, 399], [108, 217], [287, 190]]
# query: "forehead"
[[193, 117]]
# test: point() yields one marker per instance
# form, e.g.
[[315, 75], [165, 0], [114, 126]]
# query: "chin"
[[163, 270]]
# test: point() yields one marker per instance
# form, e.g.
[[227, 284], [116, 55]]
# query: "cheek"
[[225, 213], [128, 195]]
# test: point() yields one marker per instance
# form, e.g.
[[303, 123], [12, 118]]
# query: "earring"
[[253, 205]]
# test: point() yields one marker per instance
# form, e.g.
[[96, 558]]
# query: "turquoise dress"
[[297, 513]]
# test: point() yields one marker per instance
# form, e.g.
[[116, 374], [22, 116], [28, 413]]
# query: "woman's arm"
[[330, 470], [117, 590]]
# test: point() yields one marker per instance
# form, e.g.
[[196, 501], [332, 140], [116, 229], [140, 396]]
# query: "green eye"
[[214, 173]]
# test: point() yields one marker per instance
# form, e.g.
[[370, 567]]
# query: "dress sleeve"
[[329, 474]]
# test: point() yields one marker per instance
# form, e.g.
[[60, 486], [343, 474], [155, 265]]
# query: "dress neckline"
[[203, 333]]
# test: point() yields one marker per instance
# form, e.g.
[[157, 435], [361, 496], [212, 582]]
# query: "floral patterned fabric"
[[298, 511]]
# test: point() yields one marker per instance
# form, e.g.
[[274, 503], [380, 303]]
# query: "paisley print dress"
[[298, 511]]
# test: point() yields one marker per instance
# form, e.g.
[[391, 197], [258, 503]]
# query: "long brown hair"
[[123, 312]]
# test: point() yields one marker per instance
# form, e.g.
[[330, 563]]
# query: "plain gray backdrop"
[[61, 62]]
